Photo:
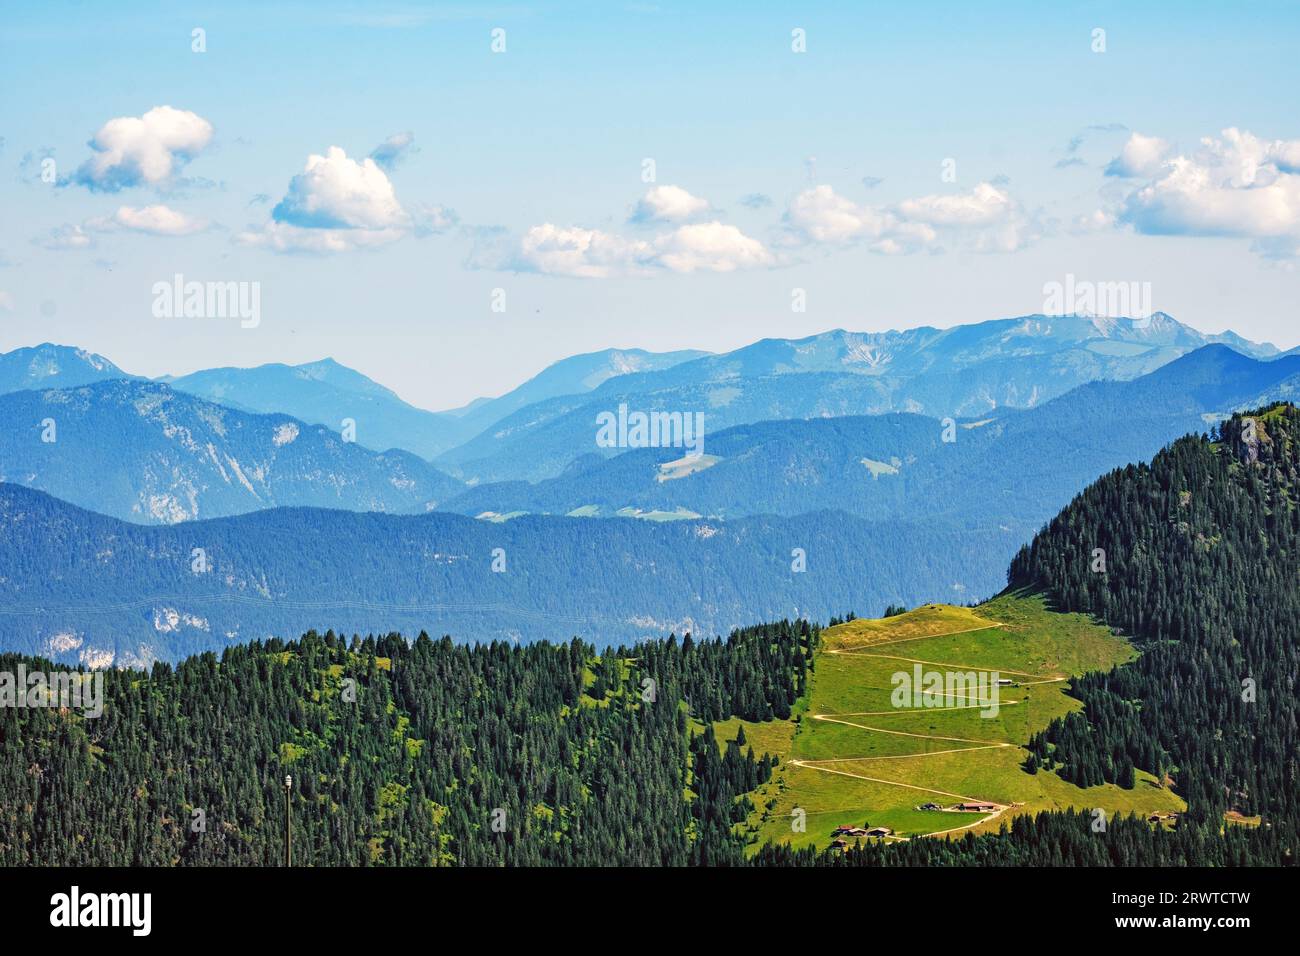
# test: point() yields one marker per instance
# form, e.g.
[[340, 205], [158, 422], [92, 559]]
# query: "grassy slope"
[[958, 751]]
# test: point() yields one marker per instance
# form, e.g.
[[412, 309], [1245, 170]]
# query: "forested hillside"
[[1195, 556], [1201, 553], [421, 753], [78, 586]]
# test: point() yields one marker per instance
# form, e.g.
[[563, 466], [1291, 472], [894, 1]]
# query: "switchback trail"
[[837, 718]]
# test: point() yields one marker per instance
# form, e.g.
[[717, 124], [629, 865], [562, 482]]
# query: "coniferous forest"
[[417, 754], [1201, 550]]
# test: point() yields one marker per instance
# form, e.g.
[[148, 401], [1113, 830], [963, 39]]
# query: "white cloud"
[[669, 204], [156, 220], [335, 192], [985, 205], [1237, 186], [986, 219], [1142, 156], [594, 254], [822, 215], [710, 247], [143, 150], [573, 251], [6, 301], [337, 204]]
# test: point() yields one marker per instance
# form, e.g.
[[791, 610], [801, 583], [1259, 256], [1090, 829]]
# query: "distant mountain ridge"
[[573, 376], [540, 428], [965, 371], [54, 366], [892, 466], [82, 587], [929, 349], [144, 452], [326, 393], [321, 393]]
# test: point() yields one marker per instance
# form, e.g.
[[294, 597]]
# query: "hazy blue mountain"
[[965, 371], [1014, 468], [571, 376], [53, 366], [79, 586], [774, 467], [326, 393], [144, 452]]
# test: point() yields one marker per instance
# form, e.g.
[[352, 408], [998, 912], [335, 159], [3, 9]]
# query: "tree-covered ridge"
[[77, 586], [419, 753], [1201, 550]]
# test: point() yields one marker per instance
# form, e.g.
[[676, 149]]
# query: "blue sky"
[[523, 171]]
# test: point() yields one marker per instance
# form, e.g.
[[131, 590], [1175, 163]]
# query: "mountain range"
[[1013, 467], [1131, 706], [1000, 424], [964, 371], [940, 525], [547, 424], [327, 393], [179, 458], [142, 451]]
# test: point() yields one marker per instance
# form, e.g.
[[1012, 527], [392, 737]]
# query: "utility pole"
[[288, 821]]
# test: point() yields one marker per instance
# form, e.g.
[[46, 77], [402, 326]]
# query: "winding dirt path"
[[866, 650]]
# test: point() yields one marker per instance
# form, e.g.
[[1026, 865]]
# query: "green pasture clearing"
[[851, 730]]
